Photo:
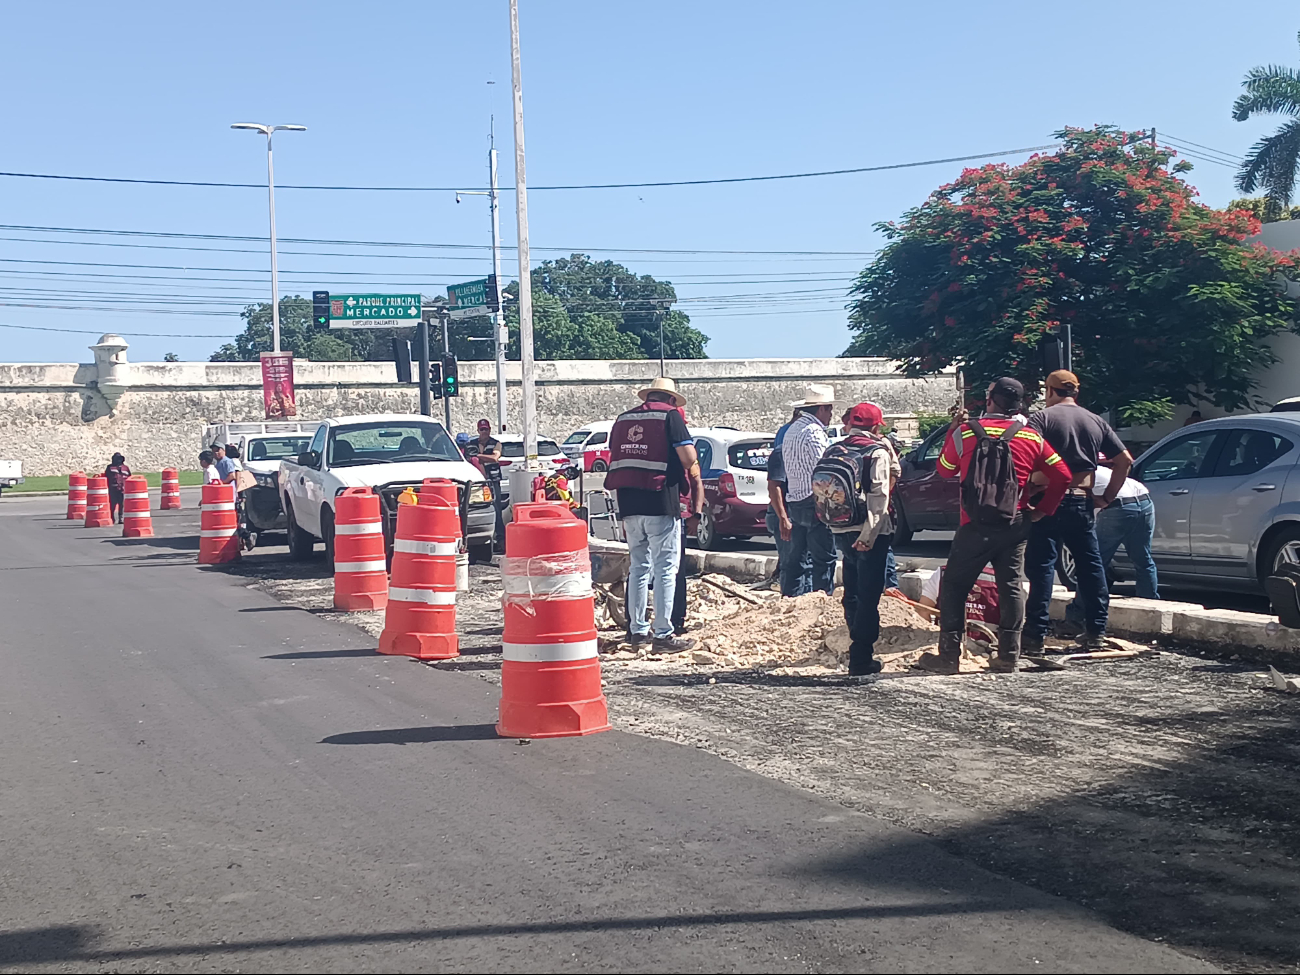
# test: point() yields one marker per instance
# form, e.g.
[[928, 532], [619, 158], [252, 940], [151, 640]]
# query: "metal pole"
[[275, 275], [661, 345], [446, 348], [499, 318], [525, 268], [422, 335]]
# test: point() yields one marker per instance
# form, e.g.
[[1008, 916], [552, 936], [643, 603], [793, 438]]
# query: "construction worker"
[[995, 519]]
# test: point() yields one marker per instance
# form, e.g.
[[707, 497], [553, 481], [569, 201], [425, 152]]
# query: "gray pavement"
[[199, 778]]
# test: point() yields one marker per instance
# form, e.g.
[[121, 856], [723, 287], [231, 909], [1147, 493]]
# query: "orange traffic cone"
[[171, 489], [550, 678], [97, 511], [218, 525], [77, 496], [136, 520], [360, 567], [420, 620]]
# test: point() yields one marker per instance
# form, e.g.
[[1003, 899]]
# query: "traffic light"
[[450, 375], [402, 358], [435, 379], [320, 311], [493, 296]]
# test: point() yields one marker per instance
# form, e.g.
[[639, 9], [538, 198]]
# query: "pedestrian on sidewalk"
[[1080, 437], [1129, 520], [851, 487], [651, 456], [993, 457], [116, 472], [777, 517], [804, 444]]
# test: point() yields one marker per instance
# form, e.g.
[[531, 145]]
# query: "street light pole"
[[268, 130], [526, 364], [499, 316]]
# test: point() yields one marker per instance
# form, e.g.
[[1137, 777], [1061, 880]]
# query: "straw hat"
[[816, 394], [663, 385]]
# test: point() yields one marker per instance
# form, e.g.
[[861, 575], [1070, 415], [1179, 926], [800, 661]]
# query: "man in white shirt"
[[802, 448], [1129, 520]]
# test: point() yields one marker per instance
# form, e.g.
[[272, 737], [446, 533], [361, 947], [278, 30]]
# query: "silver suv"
[[1227, 500]]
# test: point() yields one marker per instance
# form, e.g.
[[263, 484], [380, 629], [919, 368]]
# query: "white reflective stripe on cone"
[[135, 514], [218, 506], [414, 547], [430, 596], [543, 652], [570, 585], [216, 532], [366, 528], [135, 497], [103, 491], [373, 565]]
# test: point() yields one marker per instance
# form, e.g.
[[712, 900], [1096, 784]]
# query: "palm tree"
[[1272, 161]]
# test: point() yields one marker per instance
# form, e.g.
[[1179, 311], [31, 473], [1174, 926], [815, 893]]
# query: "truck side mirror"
[[309, 458]]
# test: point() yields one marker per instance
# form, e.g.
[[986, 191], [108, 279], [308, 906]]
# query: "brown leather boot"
[[948, 659], [1007, 658]]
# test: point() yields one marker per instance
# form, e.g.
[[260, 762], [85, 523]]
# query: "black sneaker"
[[673, 644], [637, 640], [872, 666], [1030, 645]]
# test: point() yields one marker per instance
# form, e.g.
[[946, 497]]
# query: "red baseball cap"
[[866, 416]]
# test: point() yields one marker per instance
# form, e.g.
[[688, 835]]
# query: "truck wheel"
[[327, 532], [300, 543], [599, 467], [480, 554]]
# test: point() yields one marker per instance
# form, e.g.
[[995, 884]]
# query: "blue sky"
[[397, 93]]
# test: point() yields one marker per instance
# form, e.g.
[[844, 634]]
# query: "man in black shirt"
[[487, 449], [1080, 437]]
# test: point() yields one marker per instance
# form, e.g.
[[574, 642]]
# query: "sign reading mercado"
[[373, 311]]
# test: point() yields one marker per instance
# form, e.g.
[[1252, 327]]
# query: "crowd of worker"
[[1029, 485]]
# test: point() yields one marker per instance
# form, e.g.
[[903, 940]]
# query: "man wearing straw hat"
[[652, 455], [802, 448]]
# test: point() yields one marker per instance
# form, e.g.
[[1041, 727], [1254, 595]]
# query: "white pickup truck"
[[11, 473], [388, 452]]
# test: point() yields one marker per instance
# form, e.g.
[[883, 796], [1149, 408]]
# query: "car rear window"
[[749, 455], [547, 447], [578, 436]]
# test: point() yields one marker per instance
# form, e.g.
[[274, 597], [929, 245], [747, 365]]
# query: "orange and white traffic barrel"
[[97, 511], [171, 489], [77, 496], [218, 525], [136, 520], [420, 620], [360, 565], [440, 487], [550, 677]]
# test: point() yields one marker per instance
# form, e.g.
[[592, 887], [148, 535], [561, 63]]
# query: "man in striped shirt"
[[805, 442], [976, 545]]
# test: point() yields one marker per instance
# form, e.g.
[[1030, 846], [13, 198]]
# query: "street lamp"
[[266, 130]]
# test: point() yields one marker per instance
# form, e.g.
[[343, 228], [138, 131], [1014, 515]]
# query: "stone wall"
[[55, 419]]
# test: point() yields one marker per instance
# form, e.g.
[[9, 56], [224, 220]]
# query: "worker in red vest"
[[652, 455]]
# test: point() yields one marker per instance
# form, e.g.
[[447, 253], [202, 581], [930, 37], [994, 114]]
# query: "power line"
[[571, 186]]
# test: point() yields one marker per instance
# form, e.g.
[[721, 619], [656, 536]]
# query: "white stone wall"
[[55, 421]]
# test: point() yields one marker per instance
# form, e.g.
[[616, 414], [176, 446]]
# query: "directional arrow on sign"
[[413, 311], [351, 302]]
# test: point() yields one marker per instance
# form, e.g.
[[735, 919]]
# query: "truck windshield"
[[388, 443], [276, 448]]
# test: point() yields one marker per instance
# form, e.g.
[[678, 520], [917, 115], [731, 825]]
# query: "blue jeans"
[[654, 544], [809, 539], [864, 582], [891, 567], [1073, 526], [1131, 523], [783, 552]]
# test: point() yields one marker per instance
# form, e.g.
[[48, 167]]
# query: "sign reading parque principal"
[[373, 311]]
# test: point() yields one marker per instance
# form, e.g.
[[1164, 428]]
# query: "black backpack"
[[839, 485], [990, 492]]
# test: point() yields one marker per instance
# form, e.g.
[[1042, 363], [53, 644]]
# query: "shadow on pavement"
[[416, 736], [319, 654], [181, 543]]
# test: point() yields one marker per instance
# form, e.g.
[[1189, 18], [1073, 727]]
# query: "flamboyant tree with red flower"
[[1165, 302]]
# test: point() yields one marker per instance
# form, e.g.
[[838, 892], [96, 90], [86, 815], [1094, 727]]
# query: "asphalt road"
[[199, 778]]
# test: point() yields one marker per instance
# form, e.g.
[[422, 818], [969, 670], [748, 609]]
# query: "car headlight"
[[480, 494], [265, 480]]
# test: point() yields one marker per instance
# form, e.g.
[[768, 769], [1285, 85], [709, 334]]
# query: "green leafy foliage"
[[1271, 162], [927, 423], [297, 335], [1264, 209], [1166, 303]]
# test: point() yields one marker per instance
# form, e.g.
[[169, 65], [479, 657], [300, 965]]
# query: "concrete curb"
[[1226, 632]]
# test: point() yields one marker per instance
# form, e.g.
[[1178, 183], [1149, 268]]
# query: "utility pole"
[[499, 316], [446, 351], [525, 270]]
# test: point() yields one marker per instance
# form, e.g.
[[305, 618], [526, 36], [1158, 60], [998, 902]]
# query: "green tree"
[[1270, 165], [171, 357], [1263, 209], [558, 335], [1166, 304]]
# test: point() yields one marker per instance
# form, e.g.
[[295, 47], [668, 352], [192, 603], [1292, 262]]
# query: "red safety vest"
[[639, 449]]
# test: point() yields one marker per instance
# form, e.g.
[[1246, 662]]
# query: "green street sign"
[[468, 299], [373, 311]]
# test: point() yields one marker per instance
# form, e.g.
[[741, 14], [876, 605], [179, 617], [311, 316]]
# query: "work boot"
[[1007, 658], [1089, 642], [948, 659], [637, 640], [673, 644], [1031, 645]]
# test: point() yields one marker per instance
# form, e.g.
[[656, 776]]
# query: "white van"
[[590, 446]]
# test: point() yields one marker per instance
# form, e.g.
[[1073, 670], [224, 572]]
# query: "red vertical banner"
[[277, 385]]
